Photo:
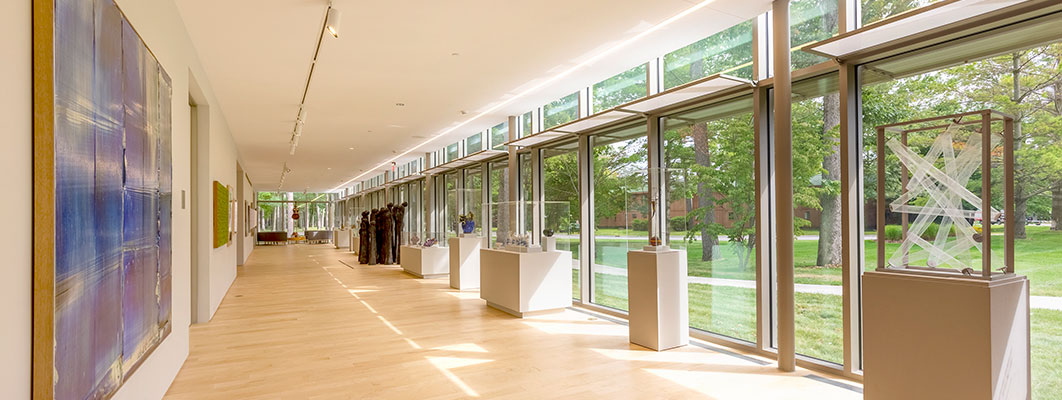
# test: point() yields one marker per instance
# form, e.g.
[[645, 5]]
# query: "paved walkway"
[[1044, 302]]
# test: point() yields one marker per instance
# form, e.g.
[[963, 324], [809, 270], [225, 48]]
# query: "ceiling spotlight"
[[400, 104], [302, 115], [463, 112], [298, 129], [455, 54], [332, 22]]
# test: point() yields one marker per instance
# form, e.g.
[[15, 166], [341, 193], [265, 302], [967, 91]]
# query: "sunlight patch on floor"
[[465, 347], [388, 323], [445, 364]]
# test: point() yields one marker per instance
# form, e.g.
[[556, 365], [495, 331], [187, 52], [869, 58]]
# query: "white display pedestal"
[[524, 284], [464, 262], [355, 241], [549, 243], [341, 238], [658, 299], [425, 262], [928, 337]]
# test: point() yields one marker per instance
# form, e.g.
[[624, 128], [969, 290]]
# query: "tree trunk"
[[1056, 206], [830, 227], [705, 197], [702, 155], [1020, 207]]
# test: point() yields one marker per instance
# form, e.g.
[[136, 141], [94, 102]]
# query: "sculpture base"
[[522, 283], [935, 337], [464, 262], [425, 262], [659, 299]]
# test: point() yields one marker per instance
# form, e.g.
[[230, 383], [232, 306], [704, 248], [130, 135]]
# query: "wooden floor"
[[298, 323]]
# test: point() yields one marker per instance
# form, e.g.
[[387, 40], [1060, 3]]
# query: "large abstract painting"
[[109, 283]]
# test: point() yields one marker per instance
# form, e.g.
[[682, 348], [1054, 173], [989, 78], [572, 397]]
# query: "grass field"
[[731, 311]]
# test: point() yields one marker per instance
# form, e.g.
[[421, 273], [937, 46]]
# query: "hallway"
[[308, 322]]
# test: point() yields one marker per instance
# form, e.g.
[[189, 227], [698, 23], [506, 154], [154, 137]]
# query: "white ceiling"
[[257, 54]]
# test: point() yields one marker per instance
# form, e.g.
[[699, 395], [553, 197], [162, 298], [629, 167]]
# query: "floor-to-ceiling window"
[[450, 205], [527, 195], [560, 186], [817, 219], [620, 203], [472, 192], [499, 194], [1023, 82], [709, 164]]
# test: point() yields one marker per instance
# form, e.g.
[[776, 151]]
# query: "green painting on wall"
[[221, 214]]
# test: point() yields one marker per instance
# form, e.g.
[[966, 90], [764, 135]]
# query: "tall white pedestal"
[[523, 284], [658, 299], [425, 262], [464, 262], [341, 238], [355, 241], [928, 337]]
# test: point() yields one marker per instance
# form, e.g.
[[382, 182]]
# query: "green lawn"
[[731, 311]]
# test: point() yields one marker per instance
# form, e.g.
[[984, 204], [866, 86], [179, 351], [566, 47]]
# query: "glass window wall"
[[810, 21], [560, 181], [620, 208], [709, 161], [499, 135], [625, 87], [562, 110], [727, 52], [474, 143]]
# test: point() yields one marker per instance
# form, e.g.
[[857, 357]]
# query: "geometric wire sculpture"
[[938, 180]]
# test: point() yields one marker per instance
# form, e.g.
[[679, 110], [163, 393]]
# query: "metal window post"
[[851, 215], [783, 204], [586, 209]]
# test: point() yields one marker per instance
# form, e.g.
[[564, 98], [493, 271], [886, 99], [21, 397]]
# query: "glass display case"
[[524, 226], [464, 218], [423, 239]]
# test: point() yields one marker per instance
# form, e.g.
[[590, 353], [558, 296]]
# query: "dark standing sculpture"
[[387, 235], [400, 214], [371, 241], [363, 238]]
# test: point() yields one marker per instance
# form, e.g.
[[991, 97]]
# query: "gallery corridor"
[[306, 321]]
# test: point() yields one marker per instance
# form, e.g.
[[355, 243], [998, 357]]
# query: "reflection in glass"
[[525, 124], [499, 134], [875, 10], [810, 21], [625, 87], [709, 160], [817, 218], [474, 143], [560, 181], [727, 52], [453, 152], [499, 193], [620, 194], [560, 111]]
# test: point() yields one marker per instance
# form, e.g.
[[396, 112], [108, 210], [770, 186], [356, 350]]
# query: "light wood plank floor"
[[298, 324]]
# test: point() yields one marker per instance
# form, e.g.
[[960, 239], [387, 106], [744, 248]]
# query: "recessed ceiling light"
[[351, 148], [400, 104], [417, 137], [463, 112], [455, 54]]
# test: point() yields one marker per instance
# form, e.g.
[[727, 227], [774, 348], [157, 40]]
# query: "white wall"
[[248, 198], [159, 24], [16, 157]]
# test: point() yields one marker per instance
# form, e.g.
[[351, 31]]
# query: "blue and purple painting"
[[113, 193]]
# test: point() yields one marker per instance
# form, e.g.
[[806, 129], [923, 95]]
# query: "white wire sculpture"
[[945, 191]]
